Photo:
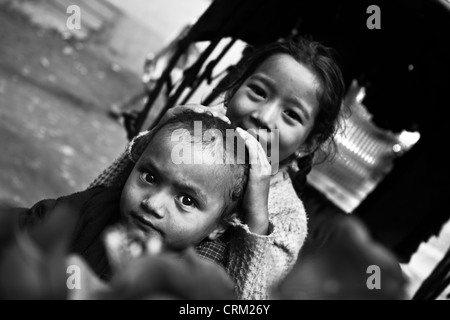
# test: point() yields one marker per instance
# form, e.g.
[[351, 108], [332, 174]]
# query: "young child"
[[295, 87], [180, 203]]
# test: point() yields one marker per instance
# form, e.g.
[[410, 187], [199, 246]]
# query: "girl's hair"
[[322, 62]]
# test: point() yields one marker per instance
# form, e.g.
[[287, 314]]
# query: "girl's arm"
[[257, 262], [265, 246], [254, 204]]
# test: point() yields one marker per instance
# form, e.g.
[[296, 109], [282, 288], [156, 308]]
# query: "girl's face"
[[281, 94]]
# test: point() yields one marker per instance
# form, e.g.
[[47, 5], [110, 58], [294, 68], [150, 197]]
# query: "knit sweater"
[[255, 262]]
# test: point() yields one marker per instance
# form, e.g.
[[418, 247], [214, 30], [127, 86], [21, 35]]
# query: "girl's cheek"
[[236, 101], [238, 108], [235, 116], [290, 141], [232, 111]]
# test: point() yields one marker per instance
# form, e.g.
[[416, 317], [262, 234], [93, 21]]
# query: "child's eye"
[[293, 115], [258, 90], [188, 201], [148, 177]]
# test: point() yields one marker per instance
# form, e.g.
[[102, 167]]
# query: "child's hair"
[[321, 60], [237, 165]]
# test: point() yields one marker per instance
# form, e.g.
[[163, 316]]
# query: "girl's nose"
[[155, 204], [265, 116]]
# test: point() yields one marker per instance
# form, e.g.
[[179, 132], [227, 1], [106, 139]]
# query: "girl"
[[295, 87]]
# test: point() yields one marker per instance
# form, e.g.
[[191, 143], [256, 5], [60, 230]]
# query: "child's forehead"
[[188, 155], [198, 133], [205, 143], [208, 152]]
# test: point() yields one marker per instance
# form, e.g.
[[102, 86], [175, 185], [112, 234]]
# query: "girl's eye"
[[293, 115], [258, 91], [187, 201], [148, 177]]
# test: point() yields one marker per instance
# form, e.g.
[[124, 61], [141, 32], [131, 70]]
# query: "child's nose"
[[265, 117], [155, 204]]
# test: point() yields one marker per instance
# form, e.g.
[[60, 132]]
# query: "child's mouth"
[[143, 224]]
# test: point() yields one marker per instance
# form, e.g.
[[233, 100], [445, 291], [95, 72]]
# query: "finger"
[[252, 146], [193, 107], [220, 109], [260, 147], [216, 112], [224, 118], [198, 109], [265, 166], [190, 105], [221, 116], [260, 162]]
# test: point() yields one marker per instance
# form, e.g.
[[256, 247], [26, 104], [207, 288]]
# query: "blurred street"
[[56, 88]]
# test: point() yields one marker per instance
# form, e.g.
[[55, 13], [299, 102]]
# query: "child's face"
[[180, 203], [281, 94]]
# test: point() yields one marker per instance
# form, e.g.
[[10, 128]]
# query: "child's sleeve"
[[38, 212], [28, 217], [258, 262]]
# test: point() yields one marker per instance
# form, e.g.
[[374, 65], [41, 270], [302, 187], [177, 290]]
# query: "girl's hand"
[[256, 213], [217, 111]]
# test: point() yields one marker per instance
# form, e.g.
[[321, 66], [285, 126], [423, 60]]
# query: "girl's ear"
[[304, 151], [309, 147]]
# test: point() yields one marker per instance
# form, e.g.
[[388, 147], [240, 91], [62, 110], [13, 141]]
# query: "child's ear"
[[217, 232], [222, 227]]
